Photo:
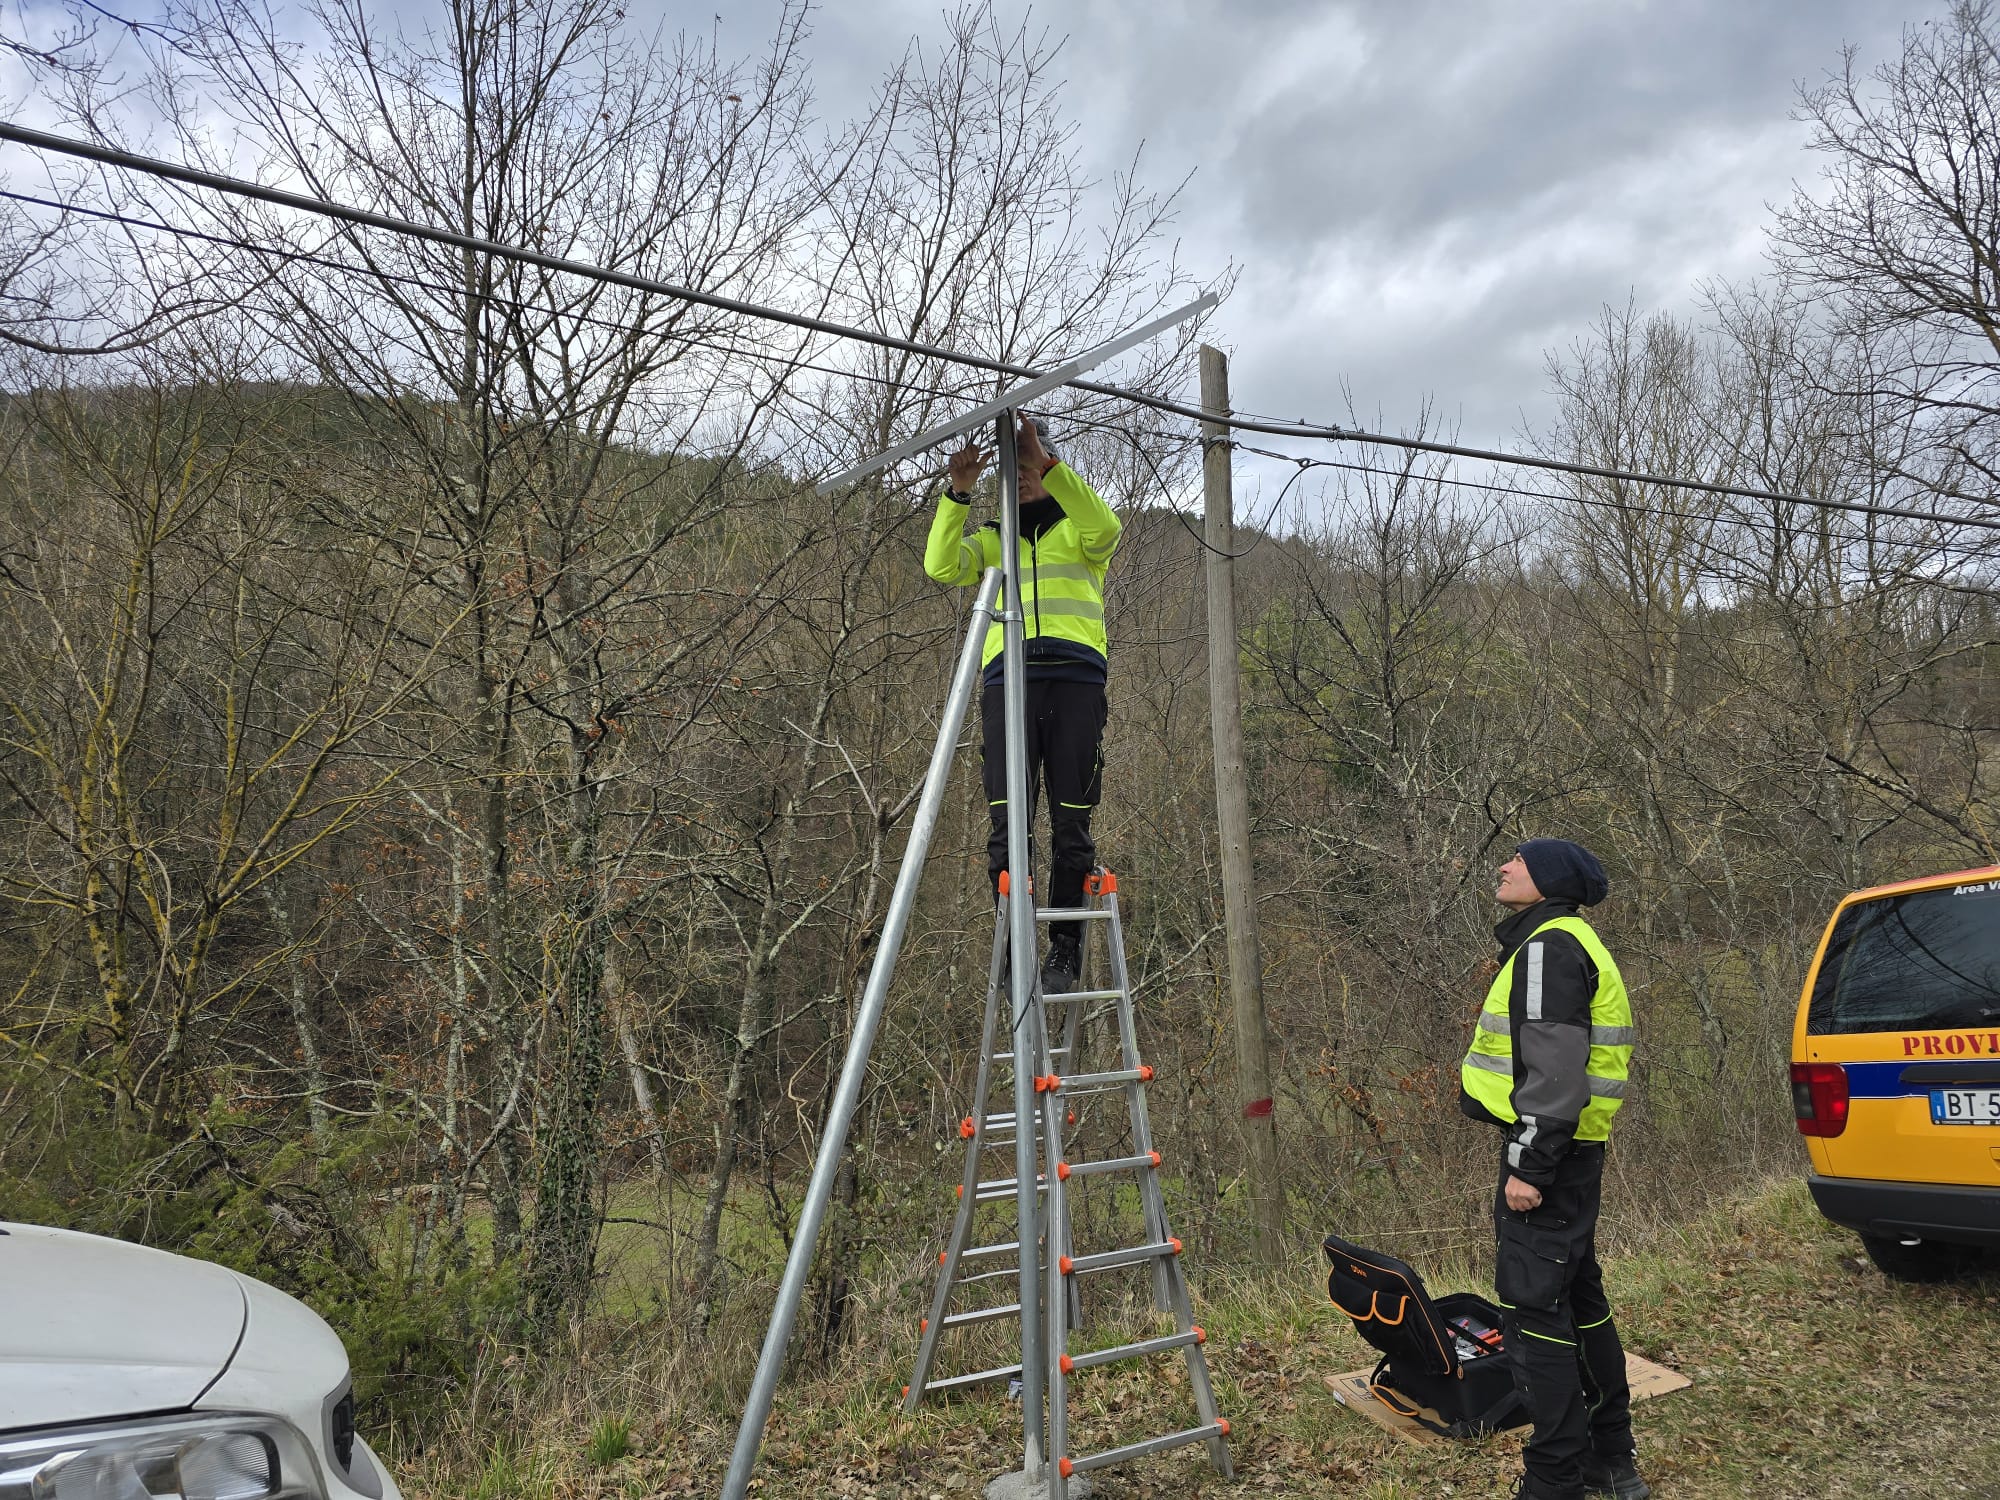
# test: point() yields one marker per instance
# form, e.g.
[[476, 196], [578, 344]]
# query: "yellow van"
[[1896, 1071]]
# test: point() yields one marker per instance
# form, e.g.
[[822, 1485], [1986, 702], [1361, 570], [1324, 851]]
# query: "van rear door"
[[1907, 999]]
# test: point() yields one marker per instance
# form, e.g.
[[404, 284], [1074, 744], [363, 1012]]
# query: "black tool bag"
[[1446, 1355]]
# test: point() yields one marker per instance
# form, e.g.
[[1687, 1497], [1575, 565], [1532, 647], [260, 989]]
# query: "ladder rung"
[[986, 1252], [977, 1377], [1139, 1350], [1105, 1260], [997, 1131], [1115, 1164], [1011, 1273], [1070, 914], [1131, 1451], [982, 1315], [1083, 995], [995, 1185], [1005, 1194], [997, 1188], [1007, 1057], [1071, 1083]]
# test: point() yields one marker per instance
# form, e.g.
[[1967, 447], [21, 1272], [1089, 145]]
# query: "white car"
[[132, 1374]]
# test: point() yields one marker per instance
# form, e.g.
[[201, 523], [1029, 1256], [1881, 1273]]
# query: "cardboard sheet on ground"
[[1351, 1390]]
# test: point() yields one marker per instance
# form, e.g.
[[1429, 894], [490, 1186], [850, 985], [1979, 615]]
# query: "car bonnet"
[[93, 1327]]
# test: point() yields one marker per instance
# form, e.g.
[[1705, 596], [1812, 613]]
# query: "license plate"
[[1965, 1106]]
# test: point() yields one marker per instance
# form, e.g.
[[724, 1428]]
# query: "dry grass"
[[1813, 1377]]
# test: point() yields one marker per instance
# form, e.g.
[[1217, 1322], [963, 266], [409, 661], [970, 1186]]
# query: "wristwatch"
[[952, 494]]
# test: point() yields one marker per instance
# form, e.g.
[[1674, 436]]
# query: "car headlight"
[[167, 1458]]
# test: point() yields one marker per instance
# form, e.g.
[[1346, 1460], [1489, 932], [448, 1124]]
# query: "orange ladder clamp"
[[1058, 1084]]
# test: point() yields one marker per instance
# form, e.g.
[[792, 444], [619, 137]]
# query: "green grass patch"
[[610, 1440], [1813, 1376]]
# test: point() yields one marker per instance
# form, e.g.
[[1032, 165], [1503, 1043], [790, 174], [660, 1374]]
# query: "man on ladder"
[[1068, 535]]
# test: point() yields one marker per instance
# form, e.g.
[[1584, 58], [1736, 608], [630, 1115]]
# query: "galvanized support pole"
[[874, 997], [1021, 950]]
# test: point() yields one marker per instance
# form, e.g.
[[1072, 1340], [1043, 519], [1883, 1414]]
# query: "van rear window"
[[1927, 961]]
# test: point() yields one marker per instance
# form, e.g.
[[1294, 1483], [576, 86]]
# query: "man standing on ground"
[[1068, 535], [1548, 1065]]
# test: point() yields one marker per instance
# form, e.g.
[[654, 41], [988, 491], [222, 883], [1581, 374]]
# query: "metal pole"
[[874, 996], [1232, 802], [1021, 949]]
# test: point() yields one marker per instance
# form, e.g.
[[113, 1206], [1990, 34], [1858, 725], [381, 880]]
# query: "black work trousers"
[[1568, 1362], [1065, 723]]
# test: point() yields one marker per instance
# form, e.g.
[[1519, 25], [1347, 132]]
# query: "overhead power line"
[[304, 203], [1859, 506], [1599, 502], [326, 207], [1762, 524], [457, 290]]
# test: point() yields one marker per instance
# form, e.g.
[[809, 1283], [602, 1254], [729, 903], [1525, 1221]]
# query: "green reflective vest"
[[1062, 571], [1488, 1071]]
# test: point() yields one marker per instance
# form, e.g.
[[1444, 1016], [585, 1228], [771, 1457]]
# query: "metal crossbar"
[[1020, 395], [1052, 1032]]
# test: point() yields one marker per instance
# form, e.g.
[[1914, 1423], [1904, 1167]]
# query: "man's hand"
[[1028, 448], [966, 466], [1522, 1196]]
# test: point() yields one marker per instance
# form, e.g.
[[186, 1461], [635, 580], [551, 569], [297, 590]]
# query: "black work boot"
[[1525, 1488], [1615, 1475], [1064, 965]]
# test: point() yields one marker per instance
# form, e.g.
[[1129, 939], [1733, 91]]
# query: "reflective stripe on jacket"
[[1569, 1073], [1062, 570]]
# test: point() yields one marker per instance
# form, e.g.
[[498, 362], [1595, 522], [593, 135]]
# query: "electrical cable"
[[1201, 541], [1625, 507], [1843, 539], [1302, 465], [1134, 438], [327, 208], [455, 291], [1133, 435], [1853, 506], [152, 166], [447, 289]]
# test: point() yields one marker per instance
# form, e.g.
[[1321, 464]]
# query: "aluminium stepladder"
[[1052, 1052]]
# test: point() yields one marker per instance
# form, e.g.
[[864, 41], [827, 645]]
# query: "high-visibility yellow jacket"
[[1553, 1052], [1066, 545]]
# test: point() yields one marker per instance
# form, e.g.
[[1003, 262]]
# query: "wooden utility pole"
[[1232, 800]]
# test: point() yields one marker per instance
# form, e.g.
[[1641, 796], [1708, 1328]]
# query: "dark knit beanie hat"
[[1565, 871], [1048, 443]]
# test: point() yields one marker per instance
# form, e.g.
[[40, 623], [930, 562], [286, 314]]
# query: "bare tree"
[[1906, 237], [196, 678], [517, 403]]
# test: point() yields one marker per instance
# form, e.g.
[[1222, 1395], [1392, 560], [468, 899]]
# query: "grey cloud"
[[1481, 120], [1427, 195]]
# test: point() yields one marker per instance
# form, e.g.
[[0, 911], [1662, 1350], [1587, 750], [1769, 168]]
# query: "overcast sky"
[[1424, 196]]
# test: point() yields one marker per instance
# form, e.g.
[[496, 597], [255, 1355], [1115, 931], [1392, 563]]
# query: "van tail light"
[[1819, 1098]]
